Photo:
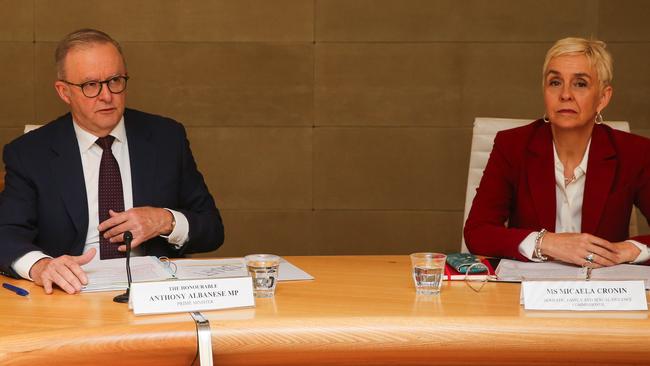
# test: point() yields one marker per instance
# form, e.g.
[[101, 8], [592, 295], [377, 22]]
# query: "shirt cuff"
[[180, 233], [24, 264], [645, 253], [527, 246]]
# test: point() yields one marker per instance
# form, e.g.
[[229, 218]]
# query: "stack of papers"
[[110, 274], [509, 270]]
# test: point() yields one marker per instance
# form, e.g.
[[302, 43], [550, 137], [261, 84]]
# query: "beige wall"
[[328, 126]]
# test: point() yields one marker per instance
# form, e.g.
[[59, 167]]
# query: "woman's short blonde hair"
[[599, 58]]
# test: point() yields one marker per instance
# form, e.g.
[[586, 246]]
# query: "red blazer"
[[516, 195]]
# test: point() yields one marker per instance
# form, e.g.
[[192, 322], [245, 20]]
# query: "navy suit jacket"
[[44, 205], [518, 188]]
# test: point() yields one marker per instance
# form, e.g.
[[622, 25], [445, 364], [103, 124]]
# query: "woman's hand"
[[627, 252], [575, 247]]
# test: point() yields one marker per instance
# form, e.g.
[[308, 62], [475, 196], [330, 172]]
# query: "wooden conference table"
[[360, 310]]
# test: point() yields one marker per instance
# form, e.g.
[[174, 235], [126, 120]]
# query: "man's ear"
[[63, 90]]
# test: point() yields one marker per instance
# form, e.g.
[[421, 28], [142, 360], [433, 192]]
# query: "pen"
[[17, 290]]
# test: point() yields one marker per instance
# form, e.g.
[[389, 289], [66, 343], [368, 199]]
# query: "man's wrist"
[[172, 224], [35, 275], [180, 229], [24, 264]]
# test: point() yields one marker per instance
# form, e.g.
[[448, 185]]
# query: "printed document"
[[110, 274], [509, 270]]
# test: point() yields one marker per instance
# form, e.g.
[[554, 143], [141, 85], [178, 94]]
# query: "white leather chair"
[[485, 129], [27, 129], [31, 127]]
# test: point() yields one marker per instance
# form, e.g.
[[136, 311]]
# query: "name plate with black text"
[[174, 296], [584, 295]]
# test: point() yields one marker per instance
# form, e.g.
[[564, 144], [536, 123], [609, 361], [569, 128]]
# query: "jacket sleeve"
[[18, 217], [486, 232], [206, 231], [642, 196]]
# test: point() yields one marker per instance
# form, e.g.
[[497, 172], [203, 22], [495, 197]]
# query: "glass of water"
[[263, 268], [428, 270]]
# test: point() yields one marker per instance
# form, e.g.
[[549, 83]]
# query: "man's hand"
[[143, 222], [64, 271]]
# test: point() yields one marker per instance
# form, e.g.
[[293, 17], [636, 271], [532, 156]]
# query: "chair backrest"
[[485, 129], [31, 127]]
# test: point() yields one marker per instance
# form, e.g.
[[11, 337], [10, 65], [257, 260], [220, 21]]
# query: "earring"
[[546, 118], [599, 118]]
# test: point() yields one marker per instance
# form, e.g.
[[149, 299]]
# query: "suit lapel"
[[142, 156], [540, 172], [67, 173], [601, 170]]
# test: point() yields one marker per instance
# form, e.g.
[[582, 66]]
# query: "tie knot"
[[105, 142]]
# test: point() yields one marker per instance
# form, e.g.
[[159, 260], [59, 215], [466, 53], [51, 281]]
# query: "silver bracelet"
[[538, 246]]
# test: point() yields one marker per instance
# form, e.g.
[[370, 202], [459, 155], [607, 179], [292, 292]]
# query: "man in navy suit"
[[51, 207]]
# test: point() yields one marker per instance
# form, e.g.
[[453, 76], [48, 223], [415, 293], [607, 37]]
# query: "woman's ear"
[[605, 97]]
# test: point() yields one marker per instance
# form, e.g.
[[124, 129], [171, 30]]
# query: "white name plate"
[[584, 295], [174, 296]]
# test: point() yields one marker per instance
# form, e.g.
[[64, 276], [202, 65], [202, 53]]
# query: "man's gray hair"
[[80, 39]]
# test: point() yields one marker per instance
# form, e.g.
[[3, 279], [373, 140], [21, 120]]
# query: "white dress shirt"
[[568, 199], [91, 155]]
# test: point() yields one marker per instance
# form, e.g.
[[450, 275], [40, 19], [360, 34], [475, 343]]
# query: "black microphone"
[[124, 298]]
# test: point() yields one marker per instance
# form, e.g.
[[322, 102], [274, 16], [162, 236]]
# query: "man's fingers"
[[79, 261], [116, 233], [86, 257], [79, 274], [134, 243], [115, 219], [58, 279], [47, 286], [65, 272], [71, 278], [65, 275]]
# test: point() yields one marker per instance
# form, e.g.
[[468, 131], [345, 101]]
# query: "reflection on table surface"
[[358, 310]]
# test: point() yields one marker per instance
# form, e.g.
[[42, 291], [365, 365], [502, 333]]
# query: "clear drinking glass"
[[428, 272], [263, 268]]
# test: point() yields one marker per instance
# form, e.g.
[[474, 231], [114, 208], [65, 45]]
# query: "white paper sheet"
[[108, 275], [509, 270], [233, 267], [188, 269], [289, 272]]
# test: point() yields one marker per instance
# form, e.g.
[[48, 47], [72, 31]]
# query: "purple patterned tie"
[[110, 195]]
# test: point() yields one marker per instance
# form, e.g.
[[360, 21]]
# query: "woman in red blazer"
[[563, 187]]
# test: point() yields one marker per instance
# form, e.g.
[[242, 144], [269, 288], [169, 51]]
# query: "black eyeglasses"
[[91, 89]]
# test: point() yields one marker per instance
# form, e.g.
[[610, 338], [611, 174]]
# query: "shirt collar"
[[87, 140]]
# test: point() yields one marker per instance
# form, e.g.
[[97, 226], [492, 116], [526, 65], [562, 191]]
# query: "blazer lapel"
[[540, 172], [142, 156], [67, 172], [601, 169]]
